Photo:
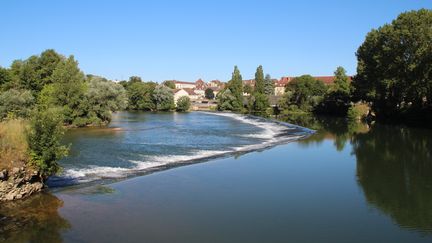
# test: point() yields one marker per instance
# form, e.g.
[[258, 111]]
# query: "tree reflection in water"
[[394, 169], [394, 166], [35, 219]]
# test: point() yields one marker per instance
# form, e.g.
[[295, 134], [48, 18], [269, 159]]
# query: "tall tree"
[[163, 98], [260, 99], [394, 65], [259, 80], [235, 85], [268, 85]]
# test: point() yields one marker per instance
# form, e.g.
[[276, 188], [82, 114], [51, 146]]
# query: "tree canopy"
[[395, 65]]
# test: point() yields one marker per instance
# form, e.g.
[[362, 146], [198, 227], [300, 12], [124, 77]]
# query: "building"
[[186, 92], [183, 84]]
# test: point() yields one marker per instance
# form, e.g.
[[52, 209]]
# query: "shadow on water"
[[35, 219], [394, 169], [394, 165]]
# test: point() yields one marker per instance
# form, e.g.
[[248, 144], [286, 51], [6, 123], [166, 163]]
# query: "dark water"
[[346, 183]]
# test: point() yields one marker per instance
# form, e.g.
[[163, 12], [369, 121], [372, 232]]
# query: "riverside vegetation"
[[46, 93], [393, 81]]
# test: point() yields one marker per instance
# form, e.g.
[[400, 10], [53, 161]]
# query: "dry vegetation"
[[13, 143]]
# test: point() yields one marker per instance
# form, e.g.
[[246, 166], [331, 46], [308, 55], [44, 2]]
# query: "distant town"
[[196, 90]]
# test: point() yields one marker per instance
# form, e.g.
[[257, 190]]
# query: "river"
[[261, 182]]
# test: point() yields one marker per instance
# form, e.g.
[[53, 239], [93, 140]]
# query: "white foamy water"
[[269, 134]]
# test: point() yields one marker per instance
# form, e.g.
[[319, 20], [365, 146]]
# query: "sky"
[[186, 40]]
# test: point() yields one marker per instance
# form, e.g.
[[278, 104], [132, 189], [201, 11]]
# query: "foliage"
[[141, 96], [235, 85], [69, 90], [170, 84], [104, 97], [261, 102], [247, 89], [5, 76], [338, 98], [268, 85], [225, 100], [16, 103], [163, 98], [183, 103], [209, 94], [357, 112], [304, 93], [394, 65], [46, 131]]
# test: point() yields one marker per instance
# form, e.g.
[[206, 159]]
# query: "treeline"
[[151, 96], [41, 95], [393, 81]]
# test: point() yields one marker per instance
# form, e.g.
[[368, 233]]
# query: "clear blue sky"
[[187, 40]]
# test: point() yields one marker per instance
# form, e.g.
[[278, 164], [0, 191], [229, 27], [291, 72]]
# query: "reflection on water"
[[394, 165], [35, 219], [394, 169]]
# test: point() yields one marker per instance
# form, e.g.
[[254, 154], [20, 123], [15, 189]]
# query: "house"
[[200, 85], [279, 85], [186, 92], [216, 83], [183, 84]]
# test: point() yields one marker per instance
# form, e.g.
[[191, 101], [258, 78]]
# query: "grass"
[[13, 143]]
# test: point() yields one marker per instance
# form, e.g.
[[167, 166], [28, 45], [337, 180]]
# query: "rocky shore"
[[18, 183]]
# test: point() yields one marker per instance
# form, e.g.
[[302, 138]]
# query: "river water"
[[261, 182]]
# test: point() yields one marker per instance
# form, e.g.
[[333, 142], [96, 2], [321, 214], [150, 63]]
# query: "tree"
[[235, 85], [5, 76], [261, 102], [209, 94], [163, 98], [69, 89], [305, 92], [259, 80], [268, 85], [16, 103], [135, 79], [226, 99], [183, 104], [44, 140], [247, 89], [104, 97], [170, 84], [338, 98], [394, 66], [141, 96]]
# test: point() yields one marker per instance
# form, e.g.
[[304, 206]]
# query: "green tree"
[[170, 84], [338, 98], [44, 139], [16, 103], [69, 90], [183, 104], [394, 66], [105, 97], [209, 94], [268, 85], [261, 102], [5, 76], [141, 96], [305, 92], [247, 89], [226, 99], [163, 98], [235, 85]]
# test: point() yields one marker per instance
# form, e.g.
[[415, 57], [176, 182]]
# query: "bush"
[[44, 136], [183, 103], [357, 112], [16, 103]]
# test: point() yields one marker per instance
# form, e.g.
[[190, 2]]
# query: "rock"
[[19, 183]]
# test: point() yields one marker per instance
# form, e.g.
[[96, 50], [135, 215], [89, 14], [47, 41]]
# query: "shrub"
[[183, 103], [16, 103], [44, 136]]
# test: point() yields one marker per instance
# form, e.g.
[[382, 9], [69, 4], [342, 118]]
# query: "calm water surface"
[[345, 183]]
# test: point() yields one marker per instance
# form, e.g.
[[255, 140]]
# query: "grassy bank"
[[13, 143]]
